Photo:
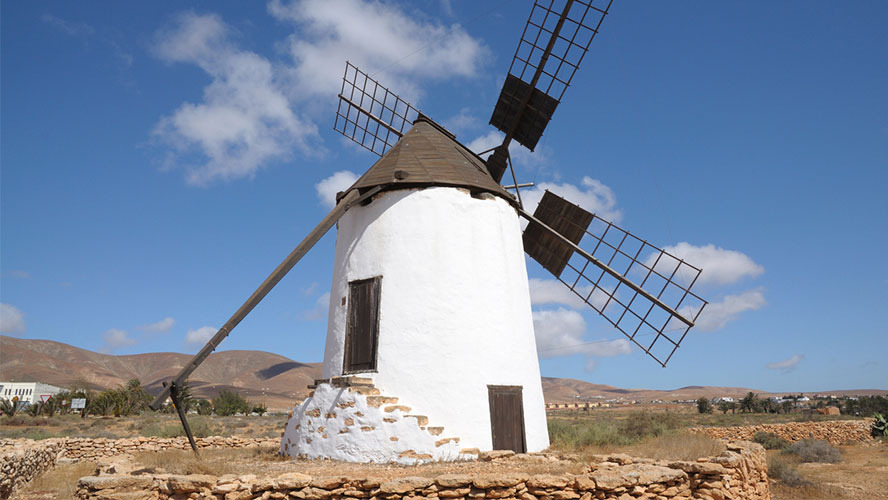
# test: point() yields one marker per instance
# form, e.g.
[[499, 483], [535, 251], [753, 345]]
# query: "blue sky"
[[159, 160]]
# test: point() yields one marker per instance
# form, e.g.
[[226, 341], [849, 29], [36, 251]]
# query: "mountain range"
[[261, 376]]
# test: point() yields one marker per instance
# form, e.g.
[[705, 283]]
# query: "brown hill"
[[270, 378], [260, 376]]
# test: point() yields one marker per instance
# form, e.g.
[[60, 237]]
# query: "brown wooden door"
[[507, 418], [362, 330]]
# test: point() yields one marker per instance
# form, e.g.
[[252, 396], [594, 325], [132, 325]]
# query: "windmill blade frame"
[[369, 113], [662, 301], [540, 74]]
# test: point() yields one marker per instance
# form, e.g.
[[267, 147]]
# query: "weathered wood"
[[313, 237], [362, 329], [507, 418]]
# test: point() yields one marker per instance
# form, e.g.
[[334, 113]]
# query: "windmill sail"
[[642, 290], [370, 114], [555, 40], [313, 237]]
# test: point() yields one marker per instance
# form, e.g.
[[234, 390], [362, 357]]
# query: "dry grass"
[[678, 446], [211, 461], [58, 482]]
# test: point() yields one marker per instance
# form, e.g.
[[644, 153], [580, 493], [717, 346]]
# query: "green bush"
[[646, 424], [704, 406], [770, 440], [814, 450], [229, 402], [575, 435], [879, 425], [784, 471]]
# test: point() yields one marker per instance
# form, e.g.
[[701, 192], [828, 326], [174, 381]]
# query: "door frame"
[[377, 280], [506, 389]]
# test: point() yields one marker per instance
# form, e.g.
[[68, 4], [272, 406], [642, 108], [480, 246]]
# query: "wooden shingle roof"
[[428, 155]]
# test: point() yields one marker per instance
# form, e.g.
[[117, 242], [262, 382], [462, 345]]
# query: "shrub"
[[573, 435], [229, 402], [645, 424], [770, 440], [879, 425], [814, 450], [704, 406], [782, 470]]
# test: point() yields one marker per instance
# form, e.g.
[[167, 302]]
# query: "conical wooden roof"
[[428, 155]]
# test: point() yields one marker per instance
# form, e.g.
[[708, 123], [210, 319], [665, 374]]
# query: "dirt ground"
[[861, 475]]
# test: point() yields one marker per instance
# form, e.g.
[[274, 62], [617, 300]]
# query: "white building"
[[27, 392], [430, 351]]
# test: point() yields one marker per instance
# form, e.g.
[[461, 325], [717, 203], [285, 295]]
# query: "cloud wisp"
[[720, 266], [786, 365], [115, 339], [256, 110], [244, 121], [718, 314], [327, 188], [162, 326], [561, 332], [12, 320], [197, 337]]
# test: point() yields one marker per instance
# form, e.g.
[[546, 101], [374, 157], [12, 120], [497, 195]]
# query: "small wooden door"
[[362, 330], [507, 418]]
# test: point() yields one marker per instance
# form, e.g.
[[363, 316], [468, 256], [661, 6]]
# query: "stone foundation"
[[23, 460], [738, 473], [349, 419], [836, 432]]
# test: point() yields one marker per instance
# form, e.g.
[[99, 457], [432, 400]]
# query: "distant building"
[[27, 392]]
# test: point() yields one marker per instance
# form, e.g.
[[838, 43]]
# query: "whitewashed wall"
[[455, 311]]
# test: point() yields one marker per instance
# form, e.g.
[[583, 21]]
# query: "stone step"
[[366, 390], [435, 431], [421, 420], [442, 442], [389, 409], [377, 401]]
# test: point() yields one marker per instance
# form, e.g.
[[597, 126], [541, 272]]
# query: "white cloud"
[[591, 195], [161, 326], [12, 320], [244, 120], [786, 365], [720, 266], [115, 339], [72, 28], [200, 336], [549, 291], [339, 181], [717, 314], [560, 332], [394, 46], [322, 304]]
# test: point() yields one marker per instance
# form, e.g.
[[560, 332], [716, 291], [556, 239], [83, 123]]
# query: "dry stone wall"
[[21, 461], [738, 473], [836, 432]]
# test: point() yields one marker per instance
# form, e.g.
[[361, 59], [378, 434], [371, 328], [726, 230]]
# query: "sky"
[[159, 159]]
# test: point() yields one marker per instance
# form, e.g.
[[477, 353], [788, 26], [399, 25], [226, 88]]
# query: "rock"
[[487, 456], [292, 480], [404, 485], [506, 480], [116, 482], [453, 480], [190, 483], [547, 481]]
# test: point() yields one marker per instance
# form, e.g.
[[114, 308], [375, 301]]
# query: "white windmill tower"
[[430, 351]]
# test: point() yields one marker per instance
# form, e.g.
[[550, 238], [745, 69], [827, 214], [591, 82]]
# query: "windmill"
[[430, 351]]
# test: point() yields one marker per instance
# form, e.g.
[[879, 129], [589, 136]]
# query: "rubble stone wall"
[[738, 473], [90, 449], [22, 461], [836, 432]]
